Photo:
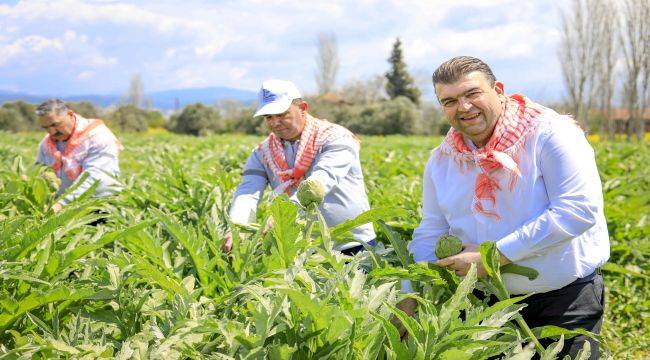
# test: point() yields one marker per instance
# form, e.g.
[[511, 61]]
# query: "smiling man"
[[74, 145], [303, 147], [517, 173]]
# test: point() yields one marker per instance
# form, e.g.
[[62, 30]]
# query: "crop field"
[[142, 276]]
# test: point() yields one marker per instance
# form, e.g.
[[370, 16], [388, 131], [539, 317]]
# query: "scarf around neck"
[[315, 134], [69, 159], [517, 122]]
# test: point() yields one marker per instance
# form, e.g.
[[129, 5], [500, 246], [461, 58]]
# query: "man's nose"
[[464, 104], [272, 120], [52, 131]]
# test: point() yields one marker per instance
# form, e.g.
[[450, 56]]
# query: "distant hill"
[[163, 100]]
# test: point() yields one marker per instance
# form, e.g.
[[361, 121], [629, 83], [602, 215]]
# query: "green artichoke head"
[[448, 245], [310, 191], [52, 180]]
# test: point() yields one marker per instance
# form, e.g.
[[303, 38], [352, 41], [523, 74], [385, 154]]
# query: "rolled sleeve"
[[573, 186]]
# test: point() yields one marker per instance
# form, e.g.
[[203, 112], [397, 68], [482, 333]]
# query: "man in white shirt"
[[303, 147], [517, 173], [75, 145]]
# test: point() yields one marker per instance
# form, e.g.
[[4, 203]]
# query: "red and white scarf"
[[518, 120], [315, 134], [70, 159]]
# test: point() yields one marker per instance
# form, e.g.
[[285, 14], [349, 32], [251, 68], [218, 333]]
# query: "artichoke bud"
[[52, 180], [448, 245], [310, 191]]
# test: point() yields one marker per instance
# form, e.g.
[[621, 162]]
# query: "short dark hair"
[[52, 106], [453, 69]]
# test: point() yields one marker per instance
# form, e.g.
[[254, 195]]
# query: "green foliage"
[[400, 82], [396, 116], [197, 119], [152, 281], [18, 116], [129, 118], [85, 109]]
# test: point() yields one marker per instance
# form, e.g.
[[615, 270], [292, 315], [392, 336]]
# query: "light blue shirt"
[[336, 165]]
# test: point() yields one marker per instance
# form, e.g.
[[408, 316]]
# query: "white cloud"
[[238, 44], [28, 46], [86, 75]]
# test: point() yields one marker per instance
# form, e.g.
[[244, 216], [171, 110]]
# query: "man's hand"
[[227, 243], [470, 255], [408, 305], [57, 207]]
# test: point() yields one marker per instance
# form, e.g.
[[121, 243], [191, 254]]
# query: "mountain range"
[[162, 100]]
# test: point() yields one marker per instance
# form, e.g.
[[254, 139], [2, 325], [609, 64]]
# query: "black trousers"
[[577, 305]]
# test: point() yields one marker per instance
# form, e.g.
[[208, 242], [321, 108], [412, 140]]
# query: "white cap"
[[275, 97]]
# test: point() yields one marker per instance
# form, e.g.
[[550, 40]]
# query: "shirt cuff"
[[242, 210], [513, 247]]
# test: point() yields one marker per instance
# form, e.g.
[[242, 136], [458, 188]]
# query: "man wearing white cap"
[[303, 147]]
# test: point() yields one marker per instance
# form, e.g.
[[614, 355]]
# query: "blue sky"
[[79, 47]]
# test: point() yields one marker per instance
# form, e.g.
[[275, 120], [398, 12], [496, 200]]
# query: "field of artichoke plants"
[[151, 282]]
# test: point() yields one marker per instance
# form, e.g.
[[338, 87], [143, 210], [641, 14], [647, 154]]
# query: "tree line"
[[605, 57]]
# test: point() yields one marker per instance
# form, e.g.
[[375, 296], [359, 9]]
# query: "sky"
[[71, 47]]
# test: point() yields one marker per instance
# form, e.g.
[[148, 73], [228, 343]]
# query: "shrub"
[[197, 119], [129, 118], [18, 116]]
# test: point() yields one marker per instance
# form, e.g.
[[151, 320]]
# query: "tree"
[[238, 117], [578, 55], [364, 91], [197, 119], [84, 108], [395, 116], [400, 82], [135, 95], [131, 118], [327, 63], [608, 26], [635, 42], [18, 116]]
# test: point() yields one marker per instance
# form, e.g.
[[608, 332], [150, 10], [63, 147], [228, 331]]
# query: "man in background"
[[75, 145]]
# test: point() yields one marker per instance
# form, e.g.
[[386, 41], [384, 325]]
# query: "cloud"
[[238, 44], [86, 75], [28, 46]]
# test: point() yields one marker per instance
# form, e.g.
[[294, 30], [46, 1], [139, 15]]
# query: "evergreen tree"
[[400, 82]]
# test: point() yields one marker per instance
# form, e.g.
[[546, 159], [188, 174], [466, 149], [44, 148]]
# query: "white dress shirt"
[[552, 221], [336, 165]]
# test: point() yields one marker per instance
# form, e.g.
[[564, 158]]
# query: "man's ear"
[[499, 88], [303, 106]]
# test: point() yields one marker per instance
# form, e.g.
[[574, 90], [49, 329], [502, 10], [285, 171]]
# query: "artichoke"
[[51, 179], [448, 245], [310, 191]]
